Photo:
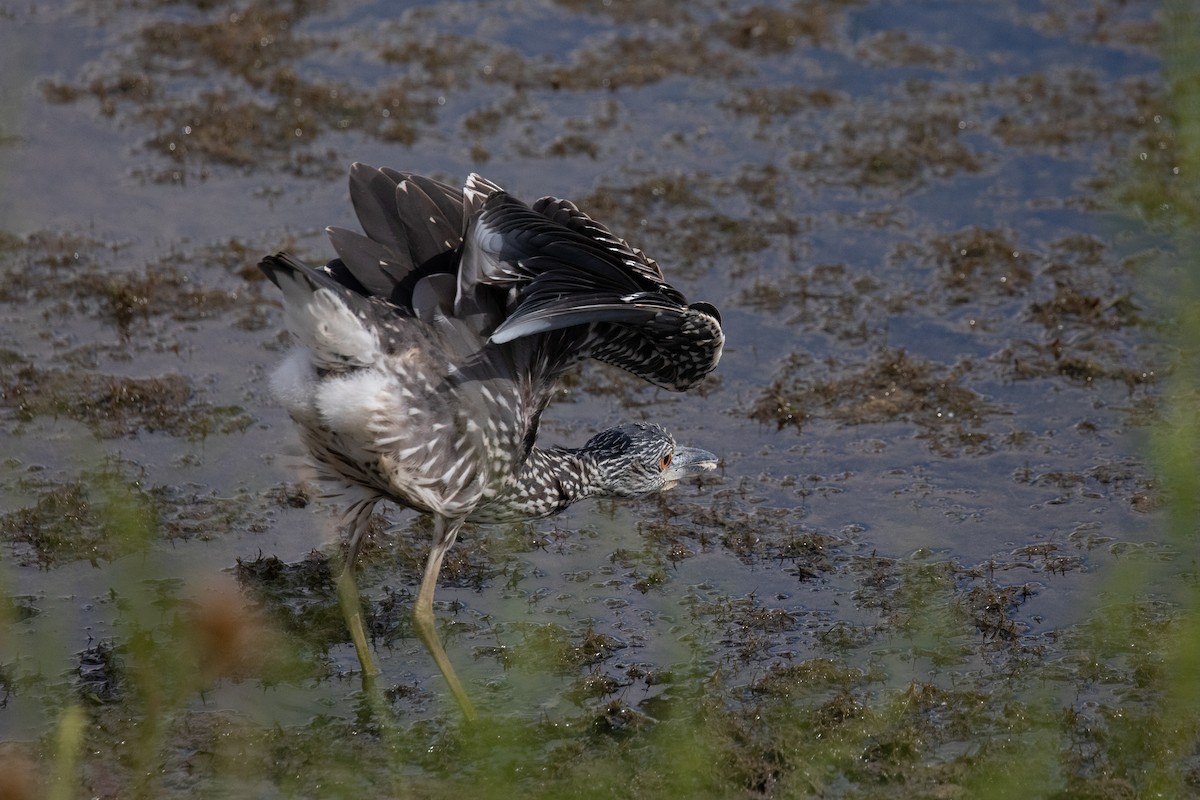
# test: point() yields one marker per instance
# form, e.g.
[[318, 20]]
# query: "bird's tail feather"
[[322, 315], [409, 220]]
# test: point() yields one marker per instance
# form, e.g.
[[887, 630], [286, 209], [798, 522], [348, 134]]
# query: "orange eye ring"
[[665, 461]]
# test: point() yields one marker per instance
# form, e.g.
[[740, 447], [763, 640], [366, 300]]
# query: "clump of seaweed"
[[102, 515], [115, 406], [892, 386], [111, 510]]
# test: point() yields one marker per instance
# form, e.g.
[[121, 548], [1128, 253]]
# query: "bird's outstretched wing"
[[511, 272], [562, 269], [567, 214]]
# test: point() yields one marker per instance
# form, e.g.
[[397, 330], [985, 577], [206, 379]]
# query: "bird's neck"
[[548, 482]]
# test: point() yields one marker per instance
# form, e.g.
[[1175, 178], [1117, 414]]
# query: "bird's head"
[[641, 458]]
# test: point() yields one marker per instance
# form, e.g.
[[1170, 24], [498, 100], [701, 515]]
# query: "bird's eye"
[[664, 462]]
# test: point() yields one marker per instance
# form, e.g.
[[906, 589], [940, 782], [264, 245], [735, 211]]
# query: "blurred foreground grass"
[[1114, 712]]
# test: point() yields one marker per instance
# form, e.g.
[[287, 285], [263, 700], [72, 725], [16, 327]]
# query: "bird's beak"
[[688, 461]]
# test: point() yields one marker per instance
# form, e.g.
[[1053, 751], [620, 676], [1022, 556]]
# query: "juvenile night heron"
[[428, 350]]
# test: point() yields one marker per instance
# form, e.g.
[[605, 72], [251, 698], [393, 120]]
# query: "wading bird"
[[428, 349]]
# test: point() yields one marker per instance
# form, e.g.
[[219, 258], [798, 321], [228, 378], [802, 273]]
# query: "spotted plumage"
[[428, 349]]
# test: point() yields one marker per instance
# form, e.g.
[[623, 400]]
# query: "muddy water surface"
[[916, 220]]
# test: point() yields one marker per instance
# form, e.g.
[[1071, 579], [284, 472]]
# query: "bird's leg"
[[445, 532], [347, 589], [349, 599]]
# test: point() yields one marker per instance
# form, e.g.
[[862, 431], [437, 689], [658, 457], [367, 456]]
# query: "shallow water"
[[940, 356]]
